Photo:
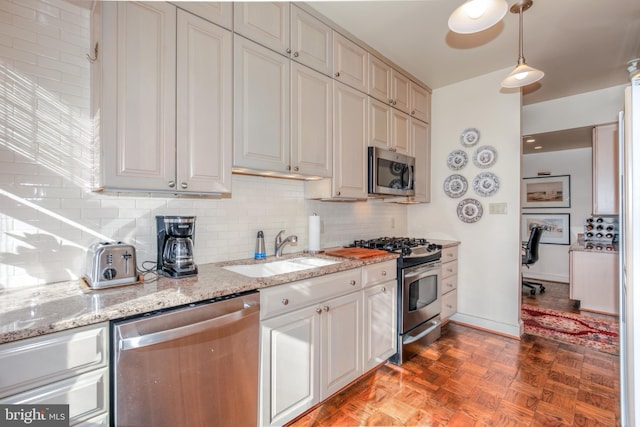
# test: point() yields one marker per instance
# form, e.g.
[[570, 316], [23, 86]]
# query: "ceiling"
[[568, 139], [580, 45]]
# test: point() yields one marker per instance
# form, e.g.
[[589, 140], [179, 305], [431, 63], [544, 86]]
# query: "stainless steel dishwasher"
[[192, 366]]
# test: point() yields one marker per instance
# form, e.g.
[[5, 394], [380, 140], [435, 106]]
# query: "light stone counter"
[[54, 307]]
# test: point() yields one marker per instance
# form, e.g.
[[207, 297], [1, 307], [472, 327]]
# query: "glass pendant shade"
[[522, 75], [477, 15]]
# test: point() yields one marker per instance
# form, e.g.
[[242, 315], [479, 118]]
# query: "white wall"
[[489, 254], [553, 263], [47, 215], [586, 109]]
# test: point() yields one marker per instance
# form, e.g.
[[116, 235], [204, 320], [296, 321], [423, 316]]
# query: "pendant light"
[[523, 74], [477, 15]]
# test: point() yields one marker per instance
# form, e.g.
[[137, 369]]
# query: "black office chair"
[[530, 256]]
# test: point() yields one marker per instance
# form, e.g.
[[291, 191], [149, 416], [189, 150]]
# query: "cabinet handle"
[[337, 74], [288, 50], [384, 290], [325, 308], [285, 301], [384, 272], [95, 54], [352, 283], [172, 184], [319, 310], [184, 185], [295, 54]]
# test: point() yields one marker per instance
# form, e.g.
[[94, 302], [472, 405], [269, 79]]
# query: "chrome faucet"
[[280, 244]]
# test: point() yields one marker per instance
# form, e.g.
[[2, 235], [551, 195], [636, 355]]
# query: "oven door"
[[420, 295]]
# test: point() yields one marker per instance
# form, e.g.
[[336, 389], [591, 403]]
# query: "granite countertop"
[[54, 307]]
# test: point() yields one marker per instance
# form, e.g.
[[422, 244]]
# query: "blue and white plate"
[[486, 184], [485, 156], [469, 137], [469, 210], [457, 160], [455, 186]]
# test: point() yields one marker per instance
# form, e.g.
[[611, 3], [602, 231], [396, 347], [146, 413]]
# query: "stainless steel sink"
[[280, 267]]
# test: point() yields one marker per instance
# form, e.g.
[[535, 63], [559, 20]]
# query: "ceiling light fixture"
[[523, 74], [477, 15]]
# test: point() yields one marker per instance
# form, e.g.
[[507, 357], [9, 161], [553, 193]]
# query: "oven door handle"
[[434, 324], [419, 274]]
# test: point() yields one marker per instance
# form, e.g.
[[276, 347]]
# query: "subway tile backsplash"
[[48, 216]]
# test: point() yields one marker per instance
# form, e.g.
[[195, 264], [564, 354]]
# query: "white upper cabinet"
[[311, 41], [605, 169], [379, 80], [400, 91], [388, 128], [266, 23], [220, 13], [420, 102], [350, 63], [150, 108], [261, 108]]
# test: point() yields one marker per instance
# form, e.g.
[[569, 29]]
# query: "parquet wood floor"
[[475, 378]]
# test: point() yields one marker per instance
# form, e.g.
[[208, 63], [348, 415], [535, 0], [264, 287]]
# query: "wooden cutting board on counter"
[[355, 253]]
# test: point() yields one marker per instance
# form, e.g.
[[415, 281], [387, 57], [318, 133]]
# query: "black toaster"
[[110, 264]]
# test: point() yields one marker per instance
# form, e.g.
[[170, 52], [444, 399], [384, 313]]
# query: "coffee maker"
[[175, 245]]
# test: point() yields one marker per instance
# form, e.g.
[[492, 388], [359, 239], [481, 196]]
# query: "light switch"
[[498, 208]]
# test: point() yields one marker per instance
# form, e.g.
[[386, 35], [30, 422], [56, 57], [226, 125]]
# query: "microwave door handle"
[[409, 184]]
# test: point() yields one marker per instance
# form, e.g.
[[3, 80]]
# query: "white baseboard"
[[548, 277], [513, 331]]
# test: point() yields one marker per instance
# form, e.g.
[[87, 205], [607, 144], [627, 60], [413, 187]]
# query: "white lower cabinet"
[[69, 367], [319, 335], [449, 279], [593, 279]]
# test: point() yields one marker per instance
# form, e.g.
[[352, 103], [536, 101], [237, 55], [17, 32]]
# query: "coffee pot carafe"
[[175, 245]]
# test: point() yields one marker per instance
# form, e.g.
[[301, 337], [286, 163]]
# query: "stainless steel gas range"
[[418, 291]]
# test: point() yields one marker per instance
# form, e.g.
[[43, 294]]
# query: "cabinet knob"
[[384, 290], [285, 301], [449, 306], [413, 112], [450, 270], [172, 184], [295, 54], [337, 74], [288, 50], [391, 102], [394, 102], [352, 283], [184, 185], [325, 308], [384, 272], [296, 168], [319, 310], [337, 193]]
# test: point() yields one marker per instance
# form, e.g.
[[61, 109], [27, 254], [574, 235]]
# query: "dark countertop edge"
[[75, 308]]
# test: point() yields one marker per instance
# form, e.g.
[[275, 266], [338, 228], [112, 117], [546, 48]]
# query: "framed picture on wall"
[[546, 192], [556, 227]]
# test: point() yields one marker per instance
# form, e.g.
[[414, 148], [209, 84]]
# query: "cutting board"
[[355, 253]]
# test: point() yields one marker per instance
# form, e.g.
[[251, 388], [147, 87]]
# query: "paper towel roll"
[[314, 233]]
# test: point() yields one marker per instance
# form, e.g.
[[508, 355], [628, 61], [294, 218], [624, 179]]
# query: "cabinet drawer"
[[86, 394], [284, 298], [449, 284], [378, 273], [449, 269], [449, 304], [37, 361], [449, 254]]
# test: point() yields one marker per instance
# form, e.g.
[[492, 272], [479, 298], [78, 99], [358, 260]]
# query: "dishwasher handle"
[[140, 341]]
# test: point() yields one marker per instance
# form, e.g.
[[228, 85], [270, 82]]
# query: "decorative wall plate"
[[469, 210], [486, 184], [457, 160], [455, 186], [469, 137], [485, 156]]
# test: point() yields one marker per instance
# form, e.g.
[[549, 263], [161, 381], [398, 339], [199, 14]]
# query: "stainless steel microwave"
[[390, 173]]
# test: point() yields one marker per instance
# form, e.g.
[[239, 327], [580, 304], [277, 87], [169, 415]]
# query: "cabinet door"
[[265, 22], [290, 359], [593, 280], [379, 80], [420, 103], [311, 41], [341, 335], [204, 118], [349, 142], [400, 129], [379, 327], [311, 122], [379, 124], [605, 170], [138, 90], [217, 12], [350, 63], [421, 141], [261, 108], [400, 91]]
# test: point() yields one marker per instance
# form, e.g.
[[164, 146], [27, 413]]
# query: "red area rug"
[[596, 333]]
